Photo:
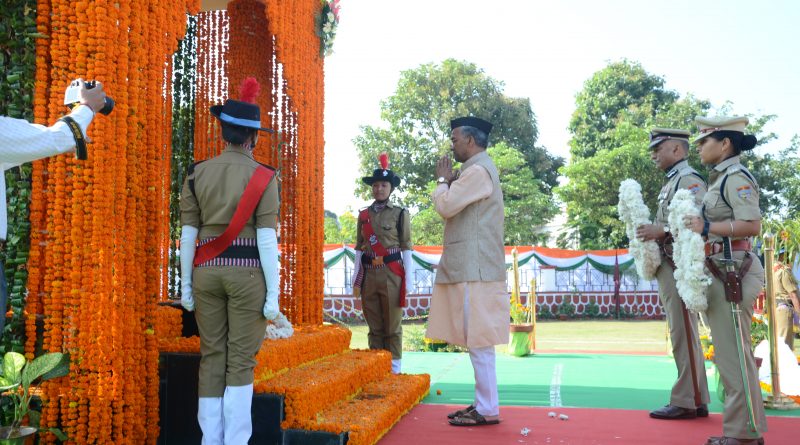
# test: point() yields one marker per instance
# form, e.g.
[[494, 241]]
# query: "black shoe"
[[672, 412], [702, 410]]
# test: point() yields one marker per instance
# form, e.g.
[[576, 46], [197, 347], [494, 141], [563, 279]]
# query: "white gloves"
[[188, 240], [267, 242], [408, 266]]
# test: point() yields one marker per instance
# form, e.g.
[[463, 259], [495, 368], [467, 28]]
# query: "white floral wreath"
[[691, 277], [633, 212], [280, 327]]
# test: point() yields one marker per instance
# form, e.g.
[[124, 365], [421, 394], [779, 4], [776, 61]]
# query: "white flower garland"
[[688, 252], [280, 327], [633, 212]]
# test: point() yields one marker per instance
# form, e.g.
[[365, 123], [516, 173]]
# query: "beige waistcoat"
[[473, 238]]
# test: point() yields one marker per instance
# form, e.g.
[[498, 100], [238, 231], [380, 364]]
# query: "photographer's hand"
[[94, 98]]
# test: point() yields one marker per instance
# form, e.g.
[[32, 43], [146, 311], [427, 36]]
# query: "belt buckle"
[[377, 261]]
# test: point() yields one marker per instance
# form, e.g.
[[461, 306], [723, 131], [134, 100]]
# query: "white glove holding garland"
[[267, 242], [188, 240], [407, 265]]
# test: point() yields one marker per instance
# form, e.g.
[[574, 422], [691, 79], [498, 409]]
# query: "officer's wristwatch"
[[441, 180]]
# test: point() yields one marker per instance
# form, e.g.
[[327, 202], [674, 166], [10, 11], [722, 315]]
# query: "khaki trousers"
[[784, 324], [683, 389], [229, 303], [380, 300], [735, 416]]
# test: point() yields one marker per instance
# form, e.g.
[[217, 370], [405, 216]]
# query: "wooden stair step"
[[313, 387]]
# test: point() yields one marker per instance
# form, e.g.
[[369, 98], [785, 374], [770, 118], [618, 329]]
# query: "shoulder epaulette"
[[191, 172], [268, 166]]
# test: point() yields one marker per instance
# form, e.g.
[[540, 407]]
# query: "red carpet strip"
[[427, 424]]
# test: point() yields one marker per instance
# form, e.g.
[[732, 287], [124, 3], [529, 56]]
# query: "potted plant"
[[19, 379]]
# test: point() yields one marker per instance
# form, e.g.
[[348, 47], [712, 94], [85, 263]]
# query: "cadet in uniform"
[[383, 267], [236, 290], [689, 398], [730, 211], [786, 301]]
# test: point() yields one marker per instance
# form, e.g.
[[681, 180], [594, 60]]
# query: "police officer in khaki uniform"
[[669, 150], [730, 210], [235, 292], [376, 276], [786, 301]]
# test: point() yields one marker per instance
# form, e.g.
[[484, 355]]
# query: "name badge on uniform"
[[694, 188], [744, 192]]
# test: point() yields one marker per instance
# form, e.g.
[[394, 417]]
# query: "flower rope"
[[691, 277], [634, 213]]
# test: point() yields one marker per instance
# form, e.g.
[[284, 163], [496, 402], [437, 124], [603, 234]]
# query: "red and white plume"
[[249, 90], [384, 160]]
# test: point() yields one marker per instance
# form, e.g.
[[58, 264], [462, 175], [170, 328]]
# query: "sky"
[[745, 52]]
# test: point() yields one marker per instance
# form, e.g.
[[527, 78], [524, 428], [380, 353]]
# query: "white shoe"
[[236, 411], [209, 416], [396, 366]]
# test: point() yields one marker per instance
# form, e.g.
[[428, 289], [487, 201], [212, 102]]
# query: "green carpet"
[[636, 382]]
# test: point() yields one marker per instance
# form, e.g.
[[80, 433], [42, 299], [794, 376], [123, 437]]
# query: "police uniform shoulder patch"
[[694, 188], [744, 191]]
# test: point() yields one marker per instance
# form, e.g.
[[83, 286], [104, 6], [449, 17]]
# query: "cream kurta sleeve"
[[472, 185]]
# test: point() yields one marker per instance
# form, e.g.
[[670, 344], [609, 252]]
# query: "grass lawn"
[[592, 335]]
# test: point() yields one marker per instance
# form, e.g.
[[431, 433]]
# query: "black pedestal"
[[178, 374]]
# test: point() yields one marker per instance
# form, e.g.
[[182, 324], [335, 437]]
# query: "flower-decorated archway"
[[100, 233]]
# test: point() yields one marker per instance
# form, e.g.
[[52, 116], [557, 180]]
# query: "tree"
[[417, 129], [340, 230], [621, 86], [616, 149], [527, 205]]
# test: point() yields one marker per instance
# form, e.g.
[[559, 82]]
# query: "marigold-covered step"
[[314, 387], [370, 414]]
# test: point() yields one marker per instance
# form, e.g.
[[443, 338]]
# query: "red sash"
[[395, 266], [247, 205]]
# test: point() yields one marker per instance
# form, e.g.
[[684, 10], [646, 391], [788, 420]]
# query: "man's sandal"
[[473, 418], [461, 412]]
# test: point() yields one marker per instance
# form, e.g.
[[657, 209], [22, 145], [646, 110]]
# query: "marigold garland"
[[97, 225]]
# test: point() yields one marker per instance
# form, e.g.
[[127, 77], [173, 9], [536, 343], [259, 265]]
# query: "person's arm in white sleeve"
[[188, 240], [267, 242], [22, 141], [355, 280], [408, 266]]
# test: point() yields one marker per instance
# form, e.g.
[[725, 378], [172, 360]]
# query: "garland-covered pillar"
[[98, 227], [275, 42]]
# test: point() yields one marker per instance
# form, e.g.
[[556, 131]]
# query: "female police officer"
[[731, 215]]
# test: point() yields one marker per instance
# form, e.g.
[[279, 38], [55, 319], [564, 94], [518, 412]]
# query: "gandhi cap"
[[470, 121]]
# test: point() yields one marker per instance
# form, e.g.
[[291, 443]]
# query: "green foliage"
[[417, 126], [543, 312], [19, 378], [614, 113], [621, 86], [340, 230], [18, 36], [592, 310], [184, 62], [567, 307]]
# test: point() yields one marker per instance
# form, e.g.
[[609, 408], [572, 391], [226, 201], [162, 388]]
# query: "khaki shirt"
[[218, 185], [681, 176], [384, 223], [740, 191], [784, 282]]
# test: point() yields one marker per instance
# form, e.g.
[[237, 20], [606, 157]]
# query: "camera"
[[72, 97]]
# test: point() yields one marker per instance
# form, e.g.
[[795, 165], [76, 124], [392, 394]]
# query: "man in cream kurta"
[[470, 306]]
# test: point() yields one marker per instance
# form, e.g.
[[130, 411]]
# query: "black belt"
[[378, 260], [240, 252]]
